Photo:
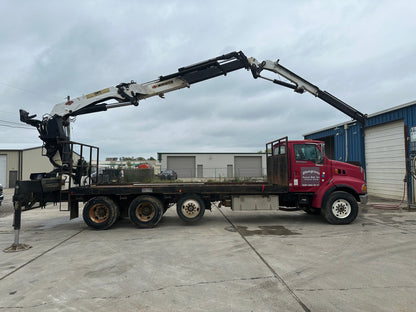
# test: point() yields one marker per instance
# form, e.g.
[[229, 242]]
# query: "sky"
[[360, 51]]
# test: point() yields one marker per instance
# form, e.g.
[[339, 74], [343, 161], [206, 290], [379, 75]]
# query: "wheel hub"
[[145, 212], [341, 208], [190, 208], [99, 213]]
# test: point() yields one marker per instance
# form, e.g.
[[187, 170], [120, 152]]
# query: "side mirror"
[[320, 159]]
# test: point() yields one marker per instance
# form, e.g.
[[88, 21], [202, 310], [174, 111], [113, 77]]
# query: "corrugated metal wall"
[[355, 136], [353, 140]]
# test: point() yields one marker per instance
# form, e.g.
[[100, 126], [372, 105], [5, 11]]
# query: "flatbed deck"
[[168, 193], [256, 188]]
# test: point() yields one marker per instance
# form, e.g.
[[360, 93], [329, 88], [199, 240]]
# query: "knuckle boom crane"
[[54, 128], [104, 204]]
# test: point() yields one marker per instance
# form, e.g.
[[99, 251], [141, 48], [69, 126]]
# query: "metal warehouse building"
[[19, 163], [383, 148], [214, 165]]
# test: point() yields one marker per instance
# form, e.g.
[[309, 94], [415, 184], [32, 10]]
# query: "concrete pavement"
[[230, 261]]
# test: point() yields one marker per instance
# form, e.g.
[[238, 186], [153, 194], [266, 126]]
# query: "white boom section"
[[301, 84], [133, 90]]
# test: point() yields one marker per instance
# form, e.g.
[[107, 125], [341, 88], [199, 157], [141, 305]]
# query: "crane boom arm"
[[131, 93], [300, 85]]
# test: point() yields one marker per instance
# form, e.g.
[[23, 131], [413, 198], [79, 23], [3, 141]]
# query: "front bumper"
[[364, 199]]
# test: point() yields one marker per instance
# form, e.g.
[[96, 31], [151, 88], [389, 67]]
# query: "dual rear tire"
[[146, 211], [102, 212]]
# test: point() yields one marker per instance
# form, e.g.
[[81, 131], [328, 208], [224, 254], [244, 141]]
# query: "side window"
[[299, 151], [279, 150]]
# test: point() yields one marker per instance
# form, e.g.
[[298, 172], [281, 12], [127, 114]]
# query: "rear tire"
[[100, 213], [341, 208], [190, 208], [146, 211]]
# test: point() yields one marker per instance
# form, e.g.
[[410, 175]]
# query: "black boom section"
[[211, 68], [342, 106]]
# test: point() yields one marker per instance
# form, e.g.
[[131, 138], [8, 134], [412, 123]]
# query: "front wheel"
[[341, 208]]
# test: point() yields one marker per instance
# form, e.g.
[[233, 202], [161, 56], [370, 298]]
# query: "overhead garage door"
[[385, 160], [247, 166], [183, 165], [3, 173]]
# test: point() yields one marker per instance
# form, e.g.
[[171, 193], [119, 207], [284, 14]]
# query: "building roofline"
[[14, 149], [214, 153], [369, 116], [392, 109], [331, 127], [159, 154]]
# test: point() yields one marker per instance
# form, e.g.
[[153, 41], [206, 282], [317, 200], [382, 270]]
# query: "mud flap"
[[74, 210]]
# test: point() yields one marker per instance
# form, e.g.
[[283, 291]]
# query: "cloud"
[[361, 52]]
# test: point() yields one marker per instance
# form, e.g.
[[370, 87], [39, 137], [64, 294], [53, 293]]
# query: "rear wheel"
[[100, 213], [190, 208], [145, 211], [341, 208]]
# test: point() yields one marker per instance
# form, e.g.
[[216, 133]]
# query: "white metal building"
[[214, 165], [385, 159], [18, 161]]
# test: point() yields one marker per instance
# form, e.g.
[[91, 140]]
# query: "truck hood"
[[342, 168]]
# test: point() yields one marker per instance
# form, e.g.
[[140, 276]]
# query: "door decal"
[[310, 176]]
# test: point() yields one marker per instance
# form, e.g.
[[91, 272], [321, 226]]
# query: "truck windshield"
[[308, 152]]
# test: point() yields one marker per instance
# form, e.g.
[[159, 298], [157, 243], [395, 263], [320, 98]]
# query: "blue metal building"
[[383, 147]]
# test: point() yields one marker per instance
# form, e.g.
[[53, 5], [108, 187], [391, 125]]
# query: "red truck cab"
[[317, 184]]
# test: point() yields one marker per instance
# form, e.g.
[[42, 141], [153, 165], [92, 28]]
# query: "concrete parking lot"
[[230, 261]]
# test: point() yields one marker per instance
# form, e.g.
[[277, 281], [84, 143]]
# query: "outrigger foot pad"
[[17, 247]]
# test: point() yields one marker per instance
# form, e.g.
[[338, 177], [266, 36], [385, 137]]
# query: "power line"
[[12, 124], [6, 112], [29, 91], [21, 127]]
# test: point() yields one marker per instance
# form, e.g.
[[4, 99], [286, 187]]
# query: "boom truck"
[[299, 175]]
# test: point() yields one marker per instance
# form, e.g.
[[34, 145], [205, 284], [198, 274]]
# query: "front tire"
[[341, 208], [100, 213]]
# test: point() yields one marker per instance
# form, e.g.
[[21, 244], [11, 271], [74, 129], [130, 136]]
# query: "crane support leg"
[[17, 220]]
